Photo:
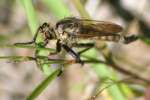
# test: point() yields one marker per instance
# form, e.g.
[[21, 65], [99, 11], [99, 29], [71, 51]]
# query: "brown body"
[[68, 30], [75, 29]]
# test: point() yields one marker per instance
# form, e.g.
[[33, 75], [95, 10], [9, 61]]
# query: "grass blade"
[[42, 86]]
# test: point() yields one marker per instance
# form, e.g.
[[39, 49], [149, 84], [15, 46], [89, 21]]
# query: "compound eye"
[[45, 24], [71, 25]]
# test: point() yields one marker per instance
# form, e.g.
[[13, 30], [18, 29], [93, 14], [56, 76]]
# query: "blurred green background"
[[125, 76]]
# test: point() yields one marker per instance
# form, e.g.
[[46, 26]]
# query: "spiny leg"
[[73, 53], [87, 46], [36, 34], [84, 50], [34, 38], [58, 48]]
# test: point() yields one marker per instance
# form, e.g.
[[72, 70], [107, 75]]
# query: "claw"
[[80, 61], [129, 39]]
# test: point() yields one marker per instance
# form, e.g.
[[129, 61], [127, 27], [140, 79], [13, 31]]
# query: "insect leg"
[[87, 46], [129, 39], [46, 41], [58, 48], [73, 53], [34, 38]]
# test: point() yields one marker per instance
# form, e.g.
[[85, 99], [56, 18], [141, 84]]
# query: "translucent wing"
[[92, 28], [101, 26]]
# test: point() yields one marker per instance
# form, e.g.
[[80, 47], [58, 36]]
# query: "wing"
[[86, 24], [92, 28], [101, 26]]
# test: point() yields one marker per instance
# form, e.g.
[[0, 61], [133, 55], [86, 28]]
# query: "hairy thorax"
[[67, 35]]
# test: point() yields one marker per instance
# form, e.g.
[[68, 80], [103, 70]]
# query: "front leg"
[[40, 29], [73, 53], [34, 38], [58, 48], [86, 46]]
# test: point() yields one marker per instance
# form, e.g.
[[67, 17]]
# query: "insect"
[[69, 30]]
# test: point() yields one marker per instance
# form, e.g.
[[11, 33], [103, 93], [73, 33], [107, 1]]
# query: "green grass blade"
[[31, 15], [42, 86], [81, 9], [104, 72], [58, 8]]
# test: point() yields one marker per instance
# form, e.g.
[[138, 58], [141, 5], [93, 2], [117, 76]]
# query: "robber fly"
[[69, 30]]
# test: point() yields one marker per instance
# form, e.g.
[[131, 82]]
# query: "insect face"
[[48, 31]]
